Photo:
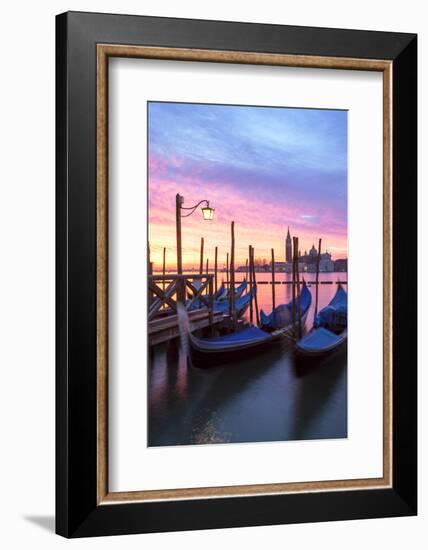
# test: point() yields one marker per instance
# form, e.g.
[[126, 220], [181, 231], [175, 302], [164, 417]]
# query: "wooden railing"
[[166, 290]]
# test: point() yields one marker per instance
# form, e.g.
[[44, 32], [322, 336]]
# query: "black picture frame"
[[77, 511]]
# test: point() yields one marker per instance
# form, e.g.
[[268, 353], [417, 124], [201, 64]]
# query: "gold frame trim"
[[104, 51]]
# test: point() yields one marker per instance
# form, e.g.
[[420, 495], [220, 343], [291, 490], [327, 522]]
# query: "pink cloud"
[[259, 220]]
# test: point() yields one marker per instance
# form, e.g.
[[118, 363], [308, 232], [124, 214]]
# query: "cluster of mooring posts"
[[196, 291], [167, 289]]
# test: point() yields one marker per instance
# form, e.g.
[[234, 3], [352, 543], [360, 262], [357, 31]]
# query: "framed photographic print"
[[236, 255]]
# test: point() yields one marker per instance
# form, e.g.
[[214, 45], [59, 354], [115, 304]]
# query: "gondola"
[[329, 333], [241, 304], [281, 316], [223, 293], [207, 352], [242, 301], [241, 289]]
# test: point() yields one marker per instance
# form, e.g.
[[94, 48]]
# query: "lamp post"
[[207, 214]]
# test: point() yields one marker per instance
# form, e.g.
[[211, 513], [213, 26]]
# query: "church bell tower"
[[288, 250]]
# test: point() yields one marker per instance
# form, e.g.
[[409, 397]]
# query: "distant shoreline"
[[242, 272]]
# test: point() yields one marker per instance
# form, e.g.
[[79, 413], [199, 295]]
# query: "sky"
[[265, 168]]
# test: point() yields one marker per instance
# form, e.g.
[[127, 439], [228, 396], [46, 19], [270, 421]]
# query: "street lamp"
[[207, 214]]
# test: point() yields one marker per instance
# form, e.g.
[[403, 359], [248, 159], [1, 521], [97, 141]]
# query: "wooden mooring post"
[[250, 276], [316, 279], [273, 277], [293, 289], [178, 203], [215, 268], [232, 275], [211, 302], [163, 267], [299, 310], [149, 270], [256, 305], [227, 272], [201, 261]]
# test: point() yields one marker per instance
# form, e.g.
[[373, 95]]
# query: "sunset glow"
[[264, 168]]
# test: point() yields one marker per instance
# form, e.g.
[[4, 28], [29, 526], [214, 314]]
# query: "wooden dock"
[[166, 328], [166, 291]]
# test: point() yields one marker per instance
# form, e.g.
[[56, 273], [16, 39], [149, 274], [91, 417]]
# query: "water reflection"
[[267, 397]]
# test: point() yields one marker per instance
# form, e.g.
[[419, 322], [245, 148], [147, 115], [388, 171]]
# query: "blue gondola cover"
[[335, 315], [282, 315]]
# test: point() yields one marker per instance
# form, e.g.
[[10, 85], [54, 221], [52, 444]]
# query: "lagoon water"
[[267, 397]]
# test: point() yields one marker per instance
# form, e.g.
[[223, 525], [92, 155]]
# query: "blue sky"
[[283, 166]]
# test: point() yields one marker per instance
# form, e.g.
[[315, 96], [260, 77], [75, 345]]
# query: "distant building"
[[311, 259], [282, 267], [308, 261], [288, 248], [311, 268], [326, 265], [341, 265]]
